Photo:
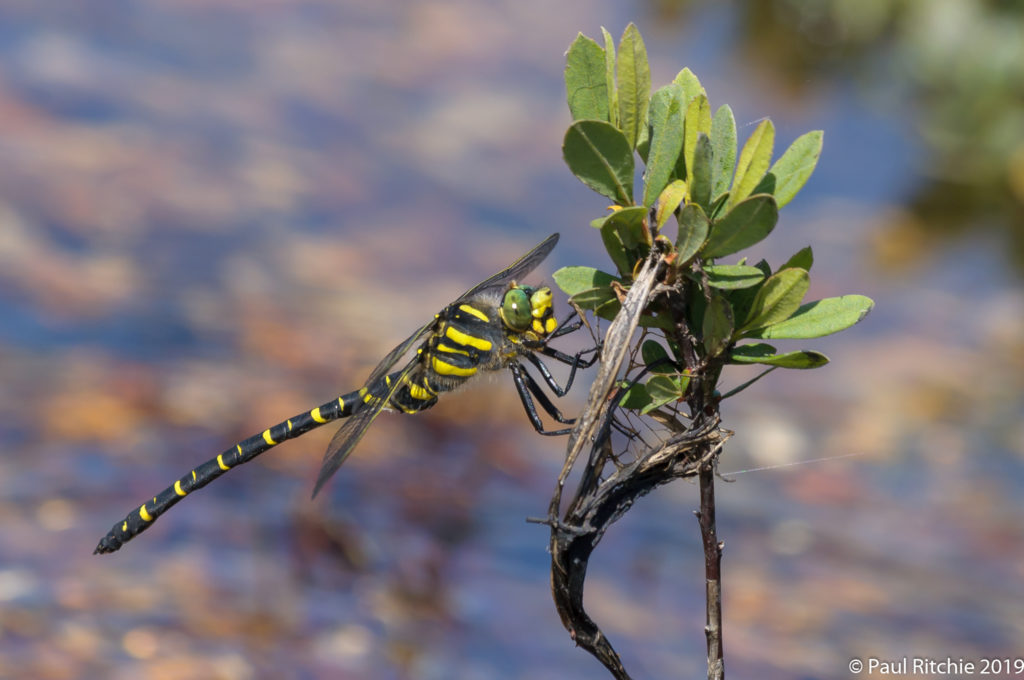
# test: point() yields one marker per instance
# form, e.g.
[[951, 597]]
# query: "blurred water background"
[[216, 214]]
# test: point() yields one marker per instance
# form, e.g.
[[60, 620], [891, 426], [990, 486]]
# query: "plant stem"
[[712, 570]]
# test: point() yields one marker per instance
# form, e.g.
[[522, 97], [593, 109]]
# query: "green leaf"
[[819, 318], [609, 309], [777, 299], [666, 123], [732, 276], [718, 324], [796, 165], [669, 200], [593, 297], [634, 79], [700, 175], [802, 259], [748, 222], [573, 280], [636, 397], [766, 185], [643, 142], [662, 321], [754, 160], [765, 354], [741, 299], [690, 84], [585, 83], [695, 304], [656, 358], [663, 389], [629, 224], [715, 211], [614, 246], [755, 350], [723, 148], [598, 154], [698, 119], [609, 77], [693, 232]]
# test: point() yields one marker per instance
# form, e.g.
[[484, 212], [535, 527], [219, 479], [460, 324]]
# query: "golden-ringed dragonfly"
[[492, 326]]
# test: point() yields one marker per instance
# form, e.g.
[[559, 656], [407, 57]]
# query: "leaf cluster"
[[723, 199]]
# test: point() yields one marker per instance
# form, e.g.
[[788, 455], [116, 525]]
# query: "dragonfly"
[[497, 324]]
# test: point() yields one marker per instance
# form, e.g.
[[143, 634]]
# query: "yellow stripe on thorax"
[[475, 312], [458, 336], [444, 368], [448, 348]]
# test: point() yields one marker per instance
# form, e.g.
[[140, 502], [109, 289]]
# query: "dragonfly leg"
[[566, 327], [527, 386], [574, 361]]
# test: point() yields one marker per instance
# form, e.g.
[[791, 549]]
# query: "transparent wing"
[[518, 269], [354, 427], [352, 431], [394, 355]]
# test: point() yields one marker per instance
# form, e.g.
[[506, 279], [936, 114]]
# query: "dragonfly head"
[[525, 309]]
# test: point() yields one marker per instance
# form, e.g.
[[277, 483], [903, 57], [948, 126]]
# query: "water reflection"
[[215, 214]]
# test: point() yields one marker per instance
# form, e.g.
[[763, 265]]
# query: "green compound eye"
[[515, 309]]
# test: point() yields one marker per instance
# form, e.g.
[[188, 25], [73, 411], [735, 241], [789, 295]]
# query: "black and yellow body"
[[490, 327]]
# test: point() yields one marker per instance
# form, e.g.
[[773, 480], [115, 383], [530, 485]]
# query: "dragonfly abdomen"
[[242, 452]]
